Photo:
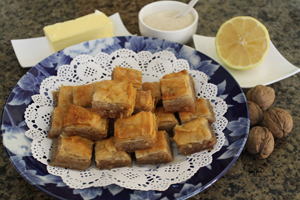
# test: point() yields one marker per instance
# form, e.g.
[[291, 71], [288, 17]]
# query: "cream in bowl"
[[158, 20]]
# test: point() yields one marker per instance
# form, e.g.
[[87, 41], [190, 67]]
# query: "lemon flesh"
[[242, 42]]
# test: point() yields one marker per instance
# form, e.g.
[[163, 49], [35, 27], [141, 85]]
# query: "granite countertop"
[[276, 177]]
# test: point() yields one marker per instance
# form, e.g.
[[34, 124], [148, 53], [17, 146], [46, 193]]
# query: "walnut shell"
[[278, 121], [260, 142], [256, 114], [262, 95]]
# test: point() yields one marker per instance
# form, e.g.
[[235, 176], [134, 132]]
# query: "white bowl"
[[180, 36]]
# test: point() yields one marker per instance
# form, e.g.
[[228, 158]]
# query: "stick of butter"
[[89, 27]]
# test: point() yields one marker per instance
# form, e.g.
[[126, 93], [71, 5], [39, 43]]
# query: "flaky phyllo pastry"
[[83, 95], [124, 120], [71, 152], [114, 99], [128, 75], [154, 88], [57, 122], [108, 157], [144, 101], [85, 123], [178, 92], [166, 121], [160, 152], [203, 108], [136, 132], [194, 136]]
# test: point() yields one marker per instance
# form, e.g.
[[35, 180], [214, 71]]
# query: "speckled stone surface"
[[276, 177]]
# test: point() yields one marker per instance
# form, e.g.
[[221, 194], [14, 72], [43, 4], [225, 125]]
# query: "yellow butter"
[[89, 27]]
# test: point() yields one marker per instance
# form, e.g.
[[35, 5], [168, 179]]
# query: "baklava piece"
[[165, 120], [178, 92], [83, 95], [108, 157], [144, 101], [128, 75], [55, 98], [111, 121], [194, 136], [136, 132], [114, 99], [203, 108], [71, 152], [56, 122], [65, 97], [154, 87], [85, 123], [161, 152]]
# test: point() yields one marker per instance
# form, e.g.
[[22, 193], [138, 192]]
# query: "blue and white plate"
[[18, 145]]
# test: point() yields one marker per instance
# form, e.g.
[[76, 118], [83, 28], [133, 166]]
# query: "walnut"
[[278, 121], [260, 142], [256, 114], [262, 95]]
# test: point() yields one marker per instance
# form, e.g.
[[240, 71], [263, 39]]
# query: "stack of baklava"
[[144, 118]]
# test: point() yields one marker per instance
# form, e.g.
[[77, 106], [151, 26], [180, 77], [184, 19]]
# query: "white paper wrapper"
[[31, 51]]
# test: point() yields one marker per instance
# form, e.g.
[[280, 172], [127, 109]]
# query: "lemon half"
[[242, 42]]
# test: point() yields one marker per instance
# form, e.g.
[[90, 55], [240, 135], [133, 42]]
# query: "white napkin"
[[274, 68], [31, 51]]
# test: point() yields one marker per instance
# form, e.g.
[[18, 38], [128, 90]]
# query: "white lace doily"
[[86, 69]]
